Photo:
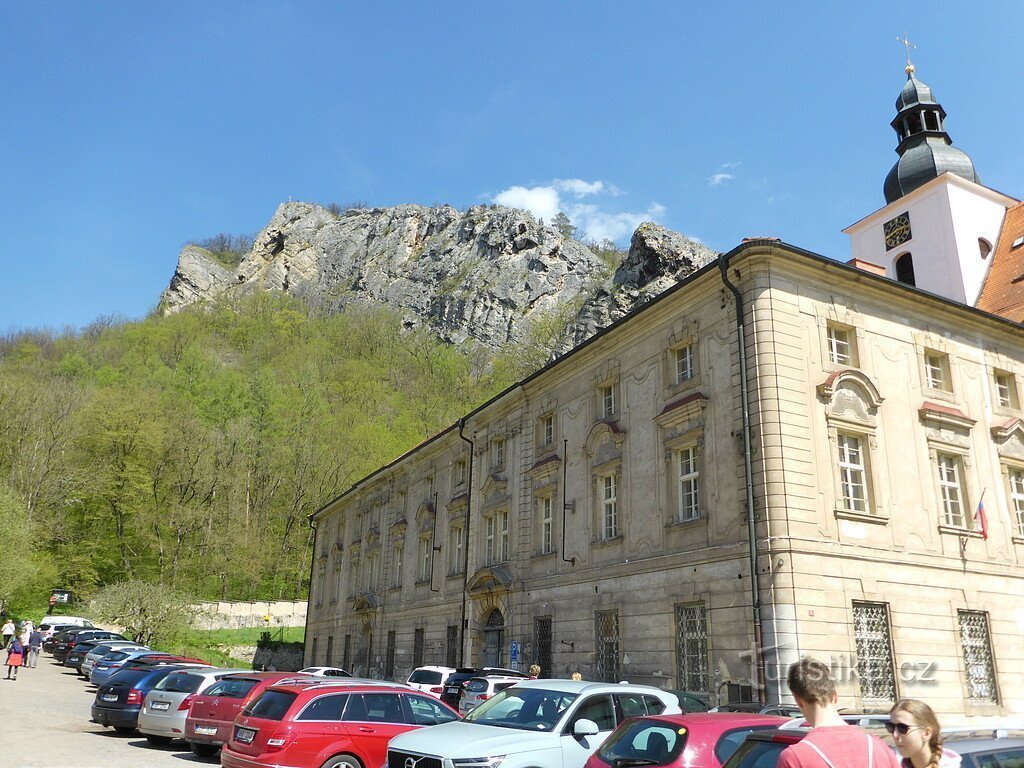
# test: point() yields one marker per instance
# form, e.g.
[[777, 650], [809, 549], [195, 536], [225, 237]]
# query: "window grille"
[[452, 646], [874, 653], [417, 647], [689, 483], [346, 653], [684, 363], [329, 656], [692, 649], [852, 475], [951, 490], [542, 645], [389, 656], [981, 678], [840, 350], [1017, 498], [905, 269], [609, 507], [607, 644]]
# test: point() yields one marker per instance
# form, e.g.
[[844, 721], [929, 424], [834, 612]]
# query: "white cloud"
[[592, 220], [718, 179]]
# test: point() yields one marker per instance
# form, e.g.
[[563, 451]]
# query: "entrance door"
[[494, 639]]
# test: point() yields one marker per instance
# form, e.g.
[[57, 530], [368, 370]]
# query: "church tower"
[[939, 225]]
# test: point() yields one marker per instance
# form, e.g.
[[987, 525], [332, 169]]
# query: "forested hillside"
[[190, 448]]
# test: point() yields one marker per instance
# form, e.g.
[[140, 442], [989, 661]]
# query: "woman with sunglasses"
[[915, 729]]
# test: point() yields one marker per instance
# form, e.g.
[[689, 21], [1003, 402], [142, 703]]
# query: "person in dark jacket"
[[35, 644]]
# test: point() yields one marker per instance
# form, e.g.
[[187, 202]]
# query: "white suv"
[[429, 679], [533, 724], [477, 690]]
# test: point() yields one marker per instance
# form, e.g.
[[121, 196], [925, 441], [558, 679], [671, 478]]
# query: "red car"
[[328, 723], [213, 712], [705, 739]]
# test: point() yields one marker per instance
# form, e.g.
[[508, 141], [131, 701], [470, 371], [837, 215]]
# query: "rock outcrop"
[[485, 273]]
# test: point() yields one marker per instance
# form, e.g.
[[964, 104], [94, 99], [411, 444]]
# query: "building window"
[[951, 493], [451, 656], [688, 476], [905, 269], [428, 488], [1017, 498], [424, 558], [874, 652], [546, 430], [609, 506], [371, 573], [607, 644], [389, 656], [460, 472], [502, 552], [936, 371], [984, 248], [329, 655], [853, 472], [401, 505], [683, 358], [609, 400], [399, 551], [978, 668], [417, 647], [841, 349], [498, 453], [346, 653], [692, 655], [1006, 389], [546, 515], [496, 537], [543, 647], [353, 576], [455, 544], [312, 653]]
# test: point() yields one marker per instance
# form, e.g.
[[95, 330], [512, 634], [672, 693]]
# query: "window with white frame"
[[498, 452], [502, 552], [688, 477], [609, 395], [853, 472], [546, 430], [490, 539], [951, 492], [461, 467], [546, 516], [841, 350], [397, 567], [428, 488], [372, 572], [609, 498], [423, 558], [1017, 498], [683, 363], [936, 371], [977, 650], [1006, 389], [456, 541]]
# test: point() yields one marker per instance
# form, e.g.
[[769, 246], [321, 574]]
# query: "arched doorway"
[[494, 639]]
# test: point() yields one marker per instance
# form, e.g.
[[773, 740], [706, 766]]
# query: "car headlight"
[[478, 762]]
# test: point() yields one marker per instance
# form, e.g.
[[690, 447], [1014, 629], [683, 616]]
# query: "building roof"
[[1003, 292]]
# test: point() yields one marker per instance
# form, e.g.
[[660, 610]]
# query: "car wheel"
[[123, 729], [158, 740], [342, 761], [203, 750]]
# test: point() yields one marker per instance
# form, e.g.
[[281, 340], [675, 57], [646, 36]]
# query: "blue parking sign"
[[514, 651]]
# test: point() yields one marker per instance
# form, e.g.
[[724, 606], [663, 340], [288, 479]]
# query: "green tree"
[[150, 612], [562, 223]]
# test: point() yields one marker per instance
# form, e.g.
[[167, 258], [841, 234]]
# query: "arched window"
[[984, 247], [914, 123], [931, 121], [905, 269]]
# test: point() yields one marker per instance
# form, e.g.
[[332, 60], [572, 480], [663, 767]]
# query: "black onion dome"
[[914, 92]]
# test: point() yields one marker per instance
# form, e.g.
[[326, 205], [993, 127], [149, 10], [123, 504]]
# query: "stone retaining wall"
[[237, 615]]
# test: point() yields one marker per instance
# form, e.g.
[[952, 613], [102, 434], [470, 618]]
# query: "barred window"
[[607, 644], [689, 484], [951, 489], [874, 653], [974, 639], [346, 653], [692, 672], [542, 645], [451, 657], [329, 654], [389, 656], [853, 473]]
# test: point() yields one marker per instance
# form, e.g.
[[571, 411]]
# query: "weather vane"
[[908, 45]]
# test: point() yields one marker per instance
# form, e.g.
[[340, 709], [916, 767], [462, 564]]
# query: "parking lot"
[[45, 716]]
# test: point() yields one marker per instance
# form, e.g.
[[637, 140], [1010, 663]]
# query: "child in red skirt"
[[15, 657]]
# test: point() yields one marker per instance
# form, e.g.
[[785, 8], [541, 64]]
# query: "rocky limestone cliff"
[[483, 274]]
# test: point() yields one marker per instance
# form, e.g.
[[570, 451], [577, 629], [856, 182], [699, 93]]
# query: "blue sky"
[[130, 128]]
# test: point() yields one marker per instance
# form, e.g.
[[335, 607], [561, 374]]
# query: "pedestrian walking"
[[534, 671], [918, 737], [7, 631], [832, 742], [35, 644], [15, 657]]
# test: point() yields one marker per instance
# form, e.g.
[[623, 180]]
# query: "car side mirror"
[[585, 727]]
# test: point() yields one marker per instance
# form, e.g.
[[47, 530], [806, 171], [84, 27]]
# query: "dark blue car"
[[119, 700]]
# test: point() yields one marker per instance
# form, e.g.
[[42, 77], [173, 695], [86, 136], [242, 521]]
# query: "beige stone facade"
[[879, 417]]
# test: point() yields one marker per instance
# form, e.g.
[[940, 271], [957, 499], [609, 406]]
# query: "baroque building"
[[781, 455]]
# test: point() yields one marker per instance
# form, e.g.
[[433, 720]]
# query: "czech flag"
[[980, 521]]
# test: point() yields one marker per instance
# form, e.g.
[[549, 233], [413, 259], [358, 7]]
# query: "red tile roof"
[[1003, 292]]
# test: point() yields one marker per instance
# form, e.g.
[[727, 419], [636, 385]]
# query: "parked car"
[[119, 700], [477, 690], [328, 723], [49, 629], [212, 716], [78, 653], [50, 623], [709, 739], [691, 702], [101, 650], [451, 692], [72, 637], [753, 707], [429, 679], [165, 708], [535, 723], [116, 659], [325, 672]]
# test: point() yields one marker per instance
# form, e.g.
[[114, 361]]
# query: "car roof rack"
[[341, 682], [853, 718]]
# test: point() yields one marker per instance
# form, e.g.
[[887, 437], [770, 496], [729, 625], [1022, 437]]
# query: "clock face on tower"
[[896, 231]]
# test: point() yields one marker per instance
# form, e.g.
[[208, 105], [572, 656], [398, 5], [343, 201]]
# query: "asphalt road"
[[44, 723]]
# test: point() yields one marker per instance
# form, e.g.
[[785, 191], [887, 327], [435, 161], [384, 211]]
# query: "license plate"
[[160, 706], [245, 735], [109, 697], [453, 689], [207, 730]]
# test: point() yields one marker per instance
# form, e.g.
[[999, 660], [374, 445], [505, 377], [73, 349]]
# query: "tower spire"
[[910, 68]]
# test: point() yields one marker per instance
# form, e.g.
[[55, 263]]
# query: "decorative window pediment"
[[945, 417], [490, 580], [604, 443], [682, 411], [494, 490], [425, 515], [850, 395], [399, 526], [545, 467], [366, 601], [458, 506], [1009, 439]]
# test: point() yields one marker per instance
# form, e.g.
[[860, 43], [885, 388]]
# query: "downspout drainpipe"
[[309, 598], [465, 544], [748, 472]]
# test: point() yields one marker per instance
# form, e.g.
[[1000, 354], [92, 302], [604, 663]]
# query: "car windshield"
[[643, 742], [179, 682], [231, 687], [528, 709], [476, 685], [270, 705], [424, 677]]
